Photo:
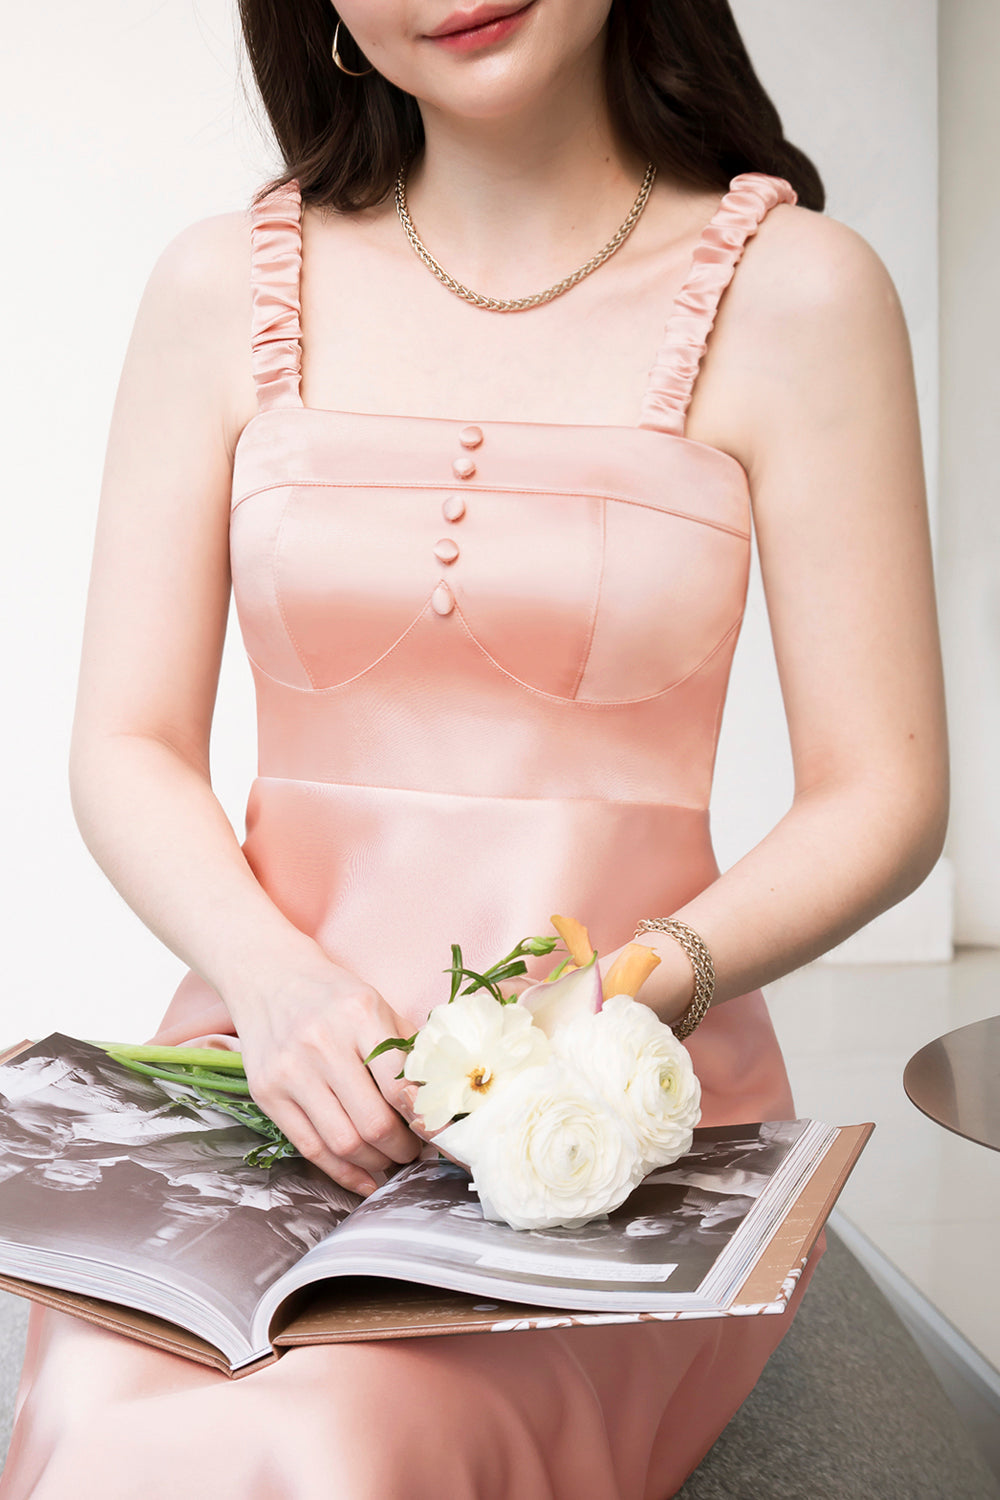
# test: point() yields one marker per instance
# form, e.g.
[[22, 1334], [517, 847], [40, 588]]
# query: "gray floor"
[[13, 1322], [846, 1409]]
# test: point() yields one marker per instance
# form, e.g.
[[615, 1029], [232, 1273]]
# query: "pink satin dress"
[[490, 662]]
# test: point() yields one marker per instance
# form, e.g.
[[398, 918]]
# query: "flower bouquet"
[[560, 1099], [557, 1100]]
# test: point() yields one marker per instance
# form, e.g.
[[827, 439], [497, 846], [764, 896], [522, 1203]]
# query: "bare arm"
[[139, 766], [819, 378]]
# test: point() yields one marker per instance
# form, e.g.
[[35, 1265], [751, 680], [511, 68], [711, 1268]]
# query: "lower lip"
[[483, 36]]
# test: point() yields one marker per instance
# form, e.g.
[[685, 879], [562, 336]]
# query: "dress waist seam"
[[416, 791]]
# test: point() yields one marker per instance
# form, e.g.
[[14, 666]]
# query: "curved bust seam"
[[600, 702], [334, 687], [595, 703]]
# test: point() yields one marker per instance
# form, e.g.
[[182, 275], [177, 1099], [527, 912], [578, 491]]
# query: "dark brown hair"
[[680, 87]]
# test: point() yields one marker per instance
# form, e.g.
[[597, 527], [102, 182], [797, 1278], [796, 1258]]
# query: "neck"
[[505, 204]]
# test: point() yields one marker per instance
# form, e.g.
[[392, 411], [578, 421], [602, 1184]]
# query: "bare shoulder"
[[198, 294], [202, 275], [807, 272], [810, 326]]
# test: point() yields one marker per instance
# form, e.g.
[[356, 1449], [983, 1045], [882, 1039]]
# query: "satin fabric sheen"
[[463, 747]]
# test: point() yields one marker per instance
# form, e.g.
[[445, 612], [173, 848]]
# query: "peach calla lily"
[[554, 1002]]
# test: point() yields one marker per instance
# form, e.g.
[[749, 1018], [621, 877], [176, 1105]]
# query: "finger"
[[372, 1116], [406, 1101], [331, 1117], [303, 1135], [397, 1092], [431, 1138]]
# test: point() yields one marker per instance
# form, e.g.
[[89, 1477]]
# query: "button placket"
[[446, 549]]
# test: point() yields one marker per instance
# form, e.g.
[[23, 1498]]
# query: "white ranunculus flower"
[[547, 1151], [633, 1060], [465, 1050]]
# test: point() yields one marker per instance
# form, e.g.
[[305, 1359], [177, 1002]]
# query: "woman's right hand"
[[304, 1039]]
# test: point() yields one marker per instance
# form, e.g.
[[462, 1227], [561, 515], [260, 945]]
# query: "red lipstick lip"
[[481, 16]]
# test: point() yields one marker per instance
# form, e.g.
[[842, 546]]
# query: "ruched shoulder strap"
[[750, 197], [275, 270]]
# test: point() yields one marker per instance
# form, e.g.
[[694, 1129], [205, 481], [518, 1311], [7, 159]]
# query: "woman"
[[490, 571]]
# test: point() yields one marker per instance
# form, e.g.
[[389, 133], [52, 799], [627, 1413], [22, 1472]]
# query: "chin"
[[504, 90]]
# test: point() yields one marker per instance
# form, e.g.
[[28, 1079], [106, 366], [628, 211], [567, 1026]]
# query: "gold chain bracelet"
[[701, 963]]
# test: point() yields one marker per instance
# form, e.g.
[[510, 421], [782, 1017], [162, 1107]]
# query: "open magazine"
[[121, 1202]]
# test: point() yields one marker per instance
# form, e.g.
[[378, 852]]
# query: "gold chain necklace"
[[516, 304]]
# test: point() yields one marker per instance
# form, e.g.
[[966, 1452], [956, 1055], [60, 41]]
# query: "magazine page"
[[659, 1249], [110, 1186]]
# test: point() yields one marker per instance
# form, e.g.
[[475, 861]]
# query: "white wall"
[[127, 122], [121, 122], [856, 86], [970, 474]]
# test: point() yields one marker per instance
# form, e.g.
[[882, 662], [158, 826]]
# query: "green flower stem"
[[174, 1075], [511, 965], [210, 1057], [213, 1076], [554, 973], [521, 949]]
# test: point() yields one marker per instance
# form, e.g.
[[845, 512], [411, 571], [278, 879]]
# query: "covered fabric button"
[[453, 507], [464, 467], [470, 437], [446, 550], [442, 599]]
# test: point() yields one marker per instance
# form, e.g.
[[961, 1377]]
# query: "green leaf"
[[508, 969], [391, 1043], [268, 1152], [456, 971], [480, 983]]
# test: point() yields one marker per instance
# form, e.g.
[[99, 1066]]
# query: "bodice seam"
[[560, 427], [279, 597], [377, 786], [595, 607], [504, 489]]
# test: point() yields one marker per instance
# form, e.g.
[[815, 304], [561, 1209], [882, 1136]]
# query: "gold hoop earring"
[[340, 65]]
